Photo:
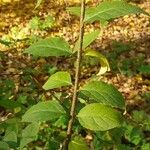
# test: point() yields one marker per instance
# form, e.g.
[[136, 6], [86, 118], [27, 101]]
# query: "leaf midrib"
[[52, 47], [104, 11], [102, 95]]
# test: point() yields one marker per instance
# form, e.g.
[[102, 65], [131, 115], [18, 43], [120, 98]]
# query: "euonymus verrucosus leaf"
[[107, 10], [78, 143], [103, 60], [110, 10], [58, 80], [29, 134], [50, 47], [44, 111], [87, 39], [99, 117], [11, 138], [102, 92], [4, 146]]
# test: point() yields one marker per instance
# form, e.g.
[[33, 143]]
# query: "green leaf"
[[11, 132], [107, 10], [102, 92], [87, 39], [103, 23], [58, 80], [74, 10], [122, 147], [52, 144], [61, 122], [50, 47], [29, 134], [12, 125], [11, 138], [9, 104], [142, 118], [99, 117], [78, 144], [139, 116], [44, 111], [145, 146], [133, 134], [111, 9], [103, 61], [4, 146]]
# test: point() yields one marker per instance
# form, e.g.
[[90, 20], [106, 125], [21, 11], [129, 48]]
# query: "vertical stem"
[[77, 74]]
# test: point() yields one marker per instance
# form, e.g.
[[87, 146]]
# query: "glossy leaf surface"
[[43, 111], [102, 92], [58, 80], [29, 134], [50, 47], [87, 39], [99, 117]]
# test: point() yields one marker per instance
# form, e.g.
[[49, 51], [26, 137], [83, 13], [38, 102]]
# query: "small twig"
[[77, 74]]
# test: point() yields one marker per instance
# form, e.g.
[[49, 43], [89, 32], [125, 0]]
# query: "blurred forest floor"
[[132, 32]]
